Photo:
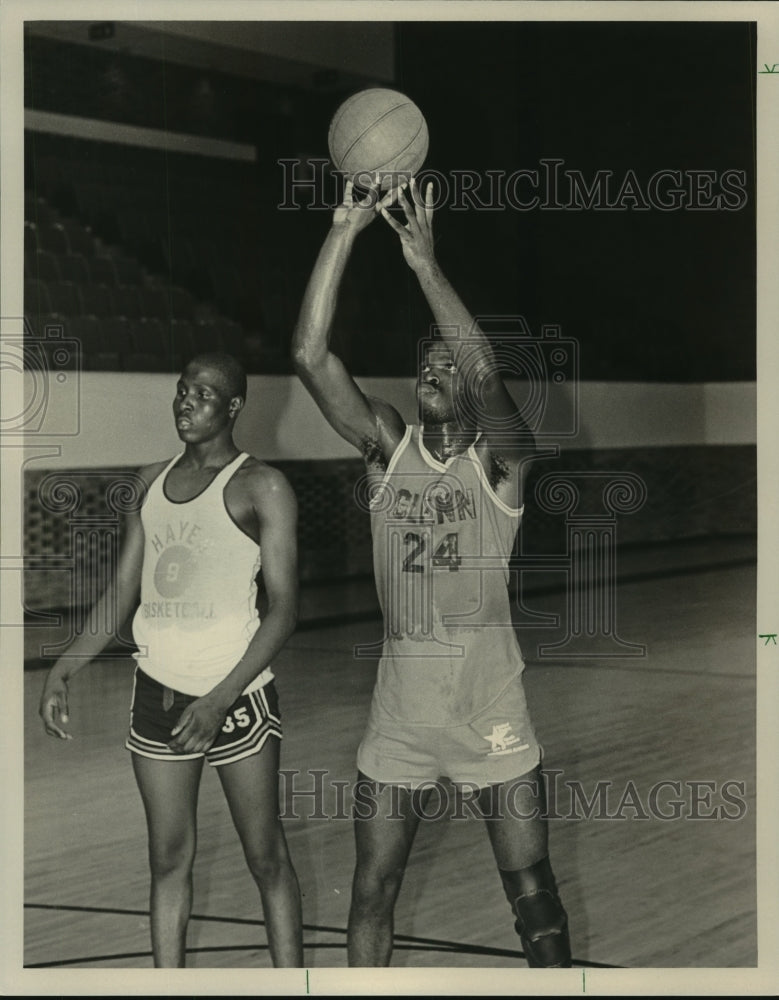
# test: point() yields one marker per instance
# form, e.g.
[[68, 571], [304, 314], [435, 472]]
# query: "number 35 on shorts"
[[238, 717]]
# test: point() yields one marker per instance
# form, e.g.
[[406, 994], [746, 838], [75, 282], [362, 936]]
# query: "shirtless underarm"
[[373, 454]]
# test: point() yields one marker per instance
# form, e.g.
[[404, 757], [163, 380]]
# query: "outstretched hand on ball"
[[416, 237], [358, 213]]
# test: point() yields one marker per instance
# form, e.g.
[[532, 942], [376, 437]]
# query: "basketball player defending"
[[445, 509], [203, 686]]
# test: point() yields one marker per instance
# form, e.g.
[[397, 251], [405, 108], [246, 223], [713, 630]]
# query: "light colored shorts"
[[497, 746]]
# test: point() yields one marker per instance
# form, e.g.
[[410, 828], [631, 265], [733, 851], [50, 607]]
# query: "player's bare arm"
[[372, 426], [472, 354], [262, 503], [115, 604]]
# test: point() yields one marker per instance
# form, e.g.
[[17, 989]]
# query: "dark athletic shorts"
[[250, 721]]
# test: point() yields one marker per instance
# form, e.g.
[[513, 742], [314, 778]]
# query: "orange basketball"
[[378, 131]]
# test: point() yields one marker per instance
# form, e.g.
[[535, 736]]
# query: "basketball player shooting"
[[203, 687], [445, 509]]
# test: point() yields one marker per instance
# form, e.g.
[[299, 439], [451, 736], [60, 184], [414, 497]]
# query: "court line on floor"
[[329, 945], [406, 942], [226, 948]]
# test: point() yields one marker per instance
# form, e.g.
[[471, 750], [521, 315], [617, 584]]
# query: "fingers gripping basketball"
[[378, 131]]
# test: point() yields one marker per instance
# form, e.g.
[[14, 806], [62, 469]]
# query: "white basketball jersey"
[[198, 608], [442, 539]]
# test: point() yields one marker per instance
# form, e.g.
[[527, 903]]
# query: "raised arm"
[[364, 422], [472, 353], [276, 509], [115, 604]]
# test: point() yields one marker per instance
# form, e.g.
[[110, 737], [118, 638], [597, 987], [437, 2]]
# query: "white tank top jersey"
[[442, 539], [198, 609]]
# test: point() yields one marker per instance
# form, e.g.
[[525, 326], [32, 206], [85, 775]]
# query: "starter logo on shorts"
[[504, 741]]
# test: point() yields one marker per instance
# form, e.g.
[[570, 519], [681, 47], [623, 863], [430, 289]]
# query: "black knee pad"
[[541, 920]]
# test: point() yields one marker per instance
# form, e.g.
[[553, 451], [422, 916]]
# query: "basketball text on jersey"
[[177, 609], [441, 504], [181, 532]]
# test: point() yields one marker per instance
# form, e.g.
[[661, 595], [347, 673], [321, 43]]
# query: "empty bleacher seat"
[[219, 335], [102, 271], [128, 271], [104, 361], [97, 300], [73, 267], [54, 238], [140, 362], [97, 351], [150, 336], [155, 302], [181, 338], [127, 302], [182, 305], [36, 297], [170, 224], [65, 298], [79, 239], [232, 337], [205, 337], [38, 211], [87, 331], [117, 334], [42, 264]]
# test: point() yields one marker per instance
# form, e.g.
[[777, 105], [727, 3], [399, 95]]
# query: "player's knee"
[[173, 857], [268, 863], [267, 872], [376, 889], [541, 920]]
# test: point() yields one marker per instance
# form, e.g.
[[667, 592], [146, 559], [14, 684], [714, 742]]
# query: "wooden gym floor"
[[642, 890]]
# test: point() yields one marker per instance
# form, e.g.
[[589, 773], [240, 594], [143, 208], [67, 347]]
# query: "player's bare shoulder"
[[261, 486], [148, 473]]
